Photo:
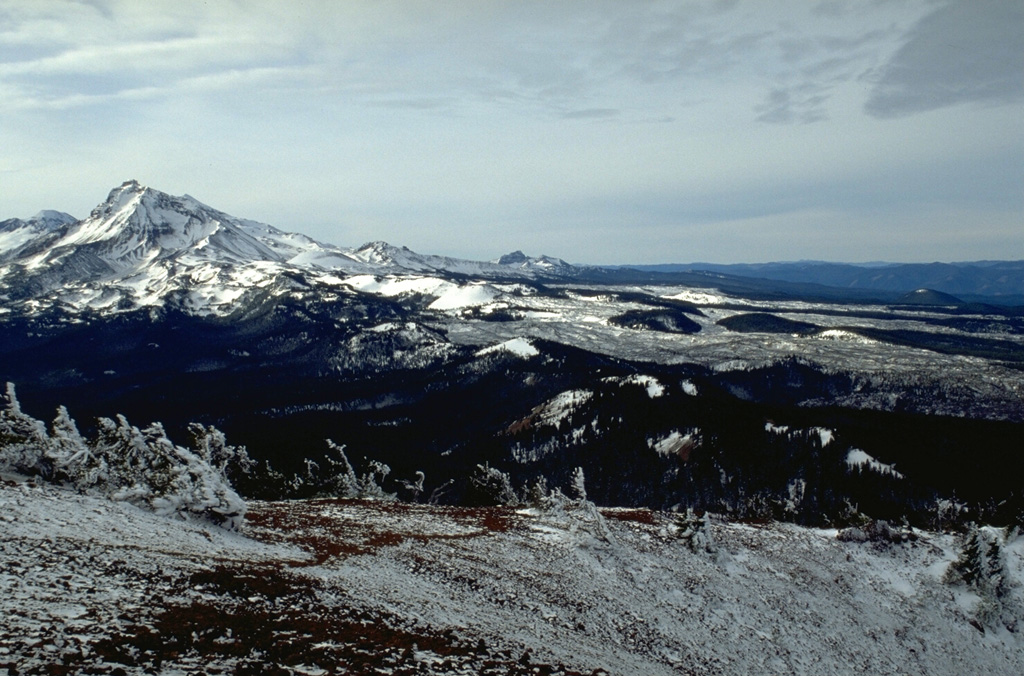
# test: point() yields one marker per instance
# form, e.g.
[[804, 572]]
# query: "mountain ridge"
[[969, 280], [141, 246]]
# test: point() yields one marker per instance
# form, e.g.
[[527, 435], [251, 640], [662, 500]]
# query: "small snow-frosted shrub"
[[335, 477], [880, 531], [578, 514], [695, 532], [413, 488]]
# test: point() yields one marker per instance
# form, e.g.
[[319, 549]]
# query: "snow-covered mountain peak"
[[137, 225], [519, 260], [122, 194], [138, 246], [15, 233], [380, 252], [51, 219], [514, 258]]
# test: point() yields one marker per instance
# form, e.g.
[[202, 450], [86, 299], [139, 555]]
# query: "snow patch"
[[842, 335], [698, 296], [447, 295], [858, 458], [464, 296], [676, 443], [520, 347], [560, 407], [654, 388]]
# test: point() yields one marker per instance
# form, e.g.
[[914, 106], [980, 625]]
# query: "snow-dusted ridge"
[[329, 586]]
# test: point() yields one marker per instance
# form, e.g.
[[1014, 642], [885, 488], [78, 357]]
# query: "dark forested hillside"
[[283, 379]]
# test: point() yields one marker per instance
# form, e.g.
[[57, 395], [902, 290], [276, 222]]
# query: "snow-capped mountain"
[[142, 246]]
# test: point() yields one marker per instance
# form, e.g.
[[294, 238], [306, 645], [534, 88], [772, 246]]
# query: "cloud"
[[804, 103], [67, 55], [591, 113], [962, 52], [432, 123]]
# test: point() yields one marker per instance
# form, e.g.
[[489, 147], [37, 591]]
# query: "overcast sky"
[[599, 132]]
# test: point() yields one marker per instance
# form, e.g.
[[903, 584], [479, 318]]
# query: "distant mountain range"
[[1000, 282], [141, 246]]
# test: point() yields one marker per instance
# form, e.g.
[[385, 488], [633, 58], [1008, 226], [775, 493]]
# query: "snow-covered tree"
[[233, 462], [579, 484], [538, 492], [123, 462], [490, 486], [981, 566], [371, 484], [994, 574], [24, 442], [577, 514], [145, 468], [968, 567], [343, 481]]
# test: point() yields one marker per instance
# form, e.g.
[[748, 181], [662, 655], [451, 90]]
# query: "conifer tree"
[[490, 486], [579, 486], [210, 444], [123, 462], [995, 569], [968, 568], [24, 442], [343, 481]]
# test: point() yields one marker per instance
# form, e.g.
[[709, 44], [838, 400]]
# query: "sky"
[[599, 132]]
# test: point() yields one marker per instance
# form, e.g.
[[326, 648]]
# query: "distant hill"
[[929, 297]]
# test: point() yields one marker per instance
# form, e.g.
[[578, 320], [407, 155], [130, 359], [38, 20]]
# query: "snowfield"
[[331, 586]]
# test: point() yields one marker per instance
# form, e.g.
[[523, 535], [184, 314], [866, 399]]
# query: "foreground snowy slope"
[[330, 586]]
